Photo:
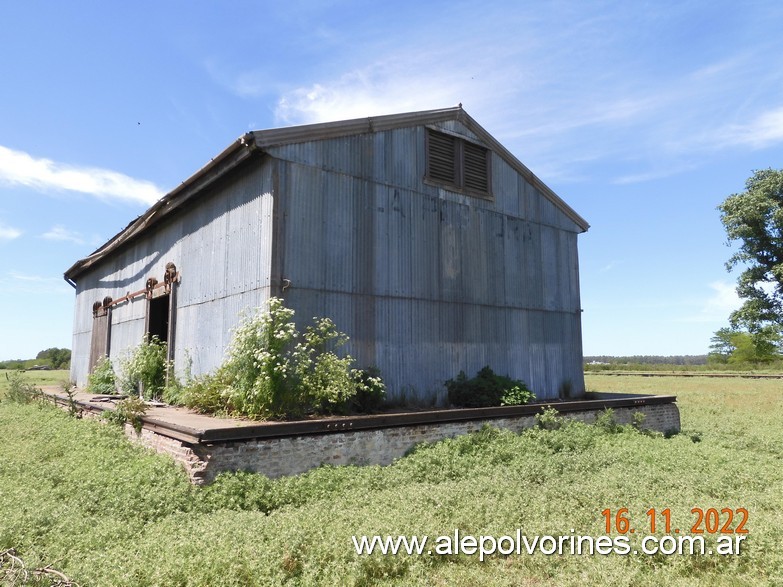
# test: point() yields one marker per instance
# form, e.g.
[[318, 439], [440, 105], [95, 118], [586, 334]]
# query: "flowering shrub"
[[274, 371], [259, 369]]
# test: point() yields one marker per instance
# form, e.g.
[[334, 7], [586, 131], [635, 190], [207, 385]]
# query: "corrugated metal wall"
[[426, 281], [221, 244]]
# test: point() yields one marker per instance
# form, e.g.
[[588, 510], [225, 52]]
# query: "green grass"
[[77, 495], [35, 377], [774, 368]]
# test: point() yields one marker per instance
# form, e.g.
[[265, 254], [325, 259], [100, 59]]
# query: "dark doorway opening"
[[158, 315]]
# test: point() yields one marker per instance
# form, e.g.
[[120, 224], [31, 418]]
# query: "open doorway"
[[158, 317], [161, 320]]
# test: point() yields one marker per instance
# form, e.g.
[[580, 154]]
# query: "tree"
[[58, 358], [742, 347], [722, 346], [755, 219]]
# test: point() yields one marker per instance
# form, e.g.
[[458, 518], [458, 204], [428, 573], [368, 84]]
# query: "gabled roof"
[[244, 147]]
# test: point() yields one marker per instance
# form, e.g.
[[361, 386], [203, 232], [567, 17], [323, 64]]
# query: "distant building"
[[422, 237]]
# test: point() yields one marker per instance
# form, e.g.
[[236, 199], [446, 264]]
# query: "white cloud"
[[609, 266], [724, 299], [564, 98], [20, 168], [377, 89], [33, 284], [765, 130], [653, 174], [60, 233], [8, 233], [27, 277], [719, 305]]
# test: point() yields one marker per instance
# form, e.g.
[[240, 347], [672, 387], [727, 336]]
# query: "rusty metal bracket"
[[151, 284], [170, 277]]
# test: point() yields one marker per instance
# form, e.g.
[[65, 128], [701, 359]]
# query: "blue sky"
[[643, 116]]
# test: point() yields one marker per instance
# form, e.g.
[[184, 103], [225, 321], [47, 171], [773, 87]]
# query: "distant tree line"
[[52, 358], [648, 359]]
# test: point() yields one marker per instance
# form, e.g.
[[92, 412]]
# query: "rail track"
[[686, 374]]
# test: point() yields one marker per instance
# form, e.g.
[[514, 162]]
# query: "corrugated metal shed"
[[427, 280]]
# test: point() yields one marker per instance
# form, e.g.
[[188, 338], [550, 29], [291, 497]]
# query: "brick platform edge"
[[294, 454]]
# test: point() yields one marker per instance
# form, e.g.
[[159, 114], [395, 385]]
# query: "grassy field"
[[35, 377], [775, 368], [77, 495]]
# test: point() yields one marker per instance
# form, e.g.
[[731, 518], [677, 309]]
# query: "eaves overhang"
[[231, 157]]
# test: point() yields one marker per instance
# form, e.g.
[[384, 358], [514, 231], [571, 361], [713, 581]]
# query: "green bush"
[[607, 422], [487, 389], [102, 379], [637, 420], [129, 410], [370, 391], [207, 394], [324, 376], [549, 419], [274, 371], [517, 395], [146, 368]]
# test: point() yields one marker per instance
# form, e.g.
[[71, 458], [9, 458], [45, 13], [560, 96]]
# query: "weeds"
[[370, 391], [487, 389], [105, 512], [130, 410], [637, 420], [549, 419], [102, 380], [144, 369], [69, 388], [13, 571], [19, 390], [607, 422]]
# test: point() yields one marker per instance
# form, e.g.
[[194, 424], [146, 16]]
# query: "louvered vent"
[[475, 168], [458, 163], [442, 157]]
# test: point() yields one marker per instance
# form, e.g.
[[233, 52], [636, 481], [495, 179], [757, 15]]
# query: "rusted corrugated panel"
[[328, 141], [418, 344], [550, 265], [200, 337], [514, 252]]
